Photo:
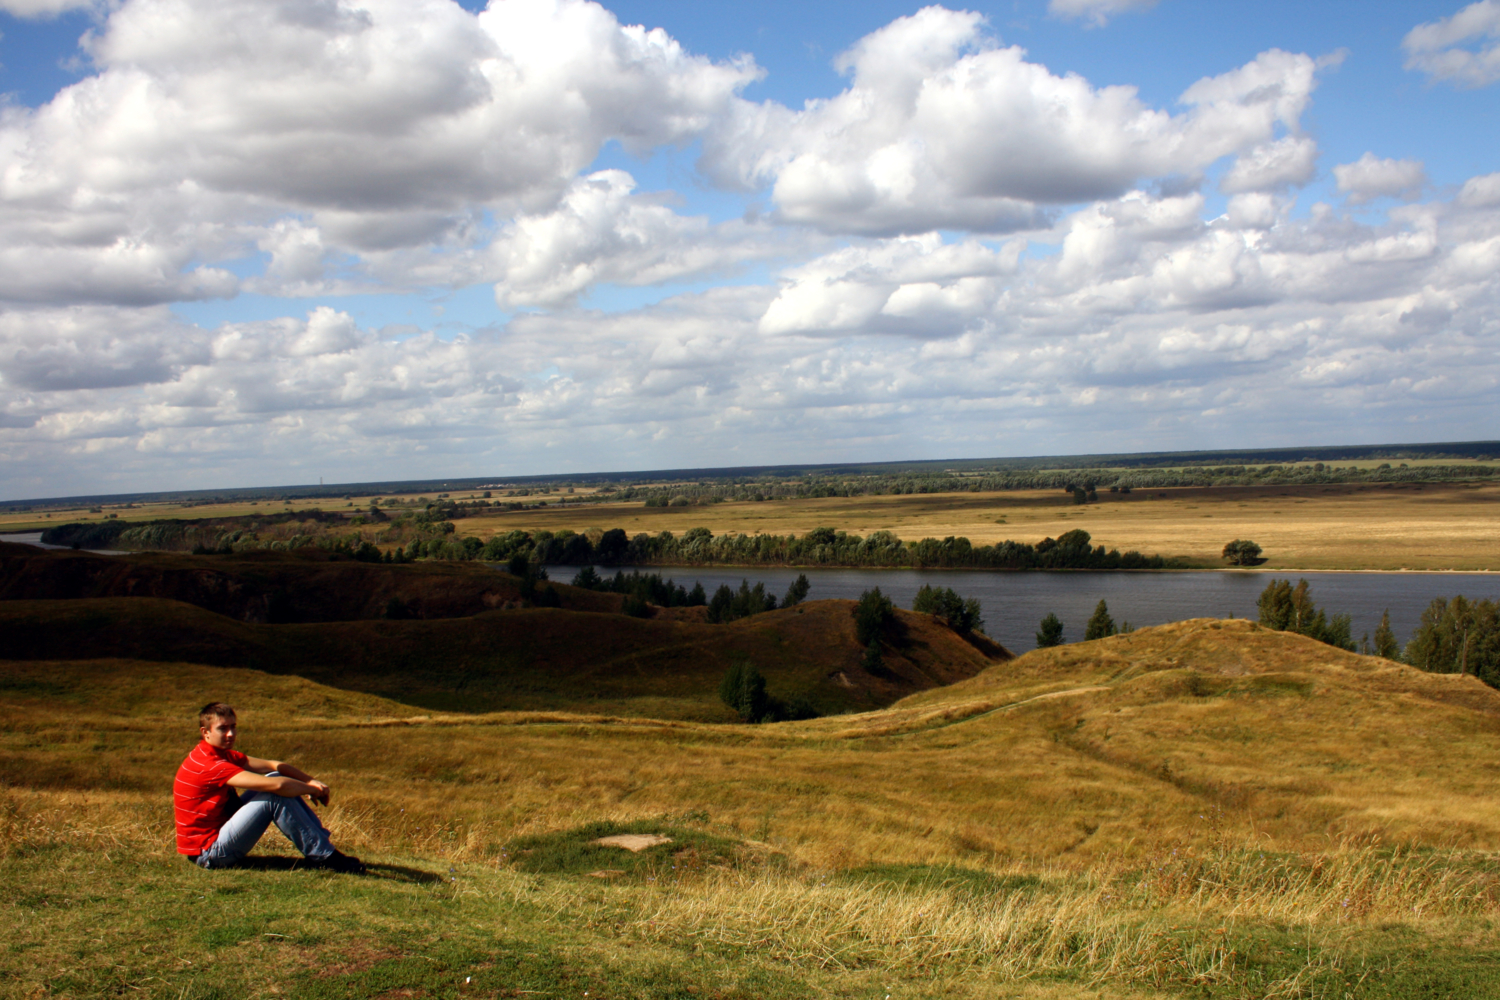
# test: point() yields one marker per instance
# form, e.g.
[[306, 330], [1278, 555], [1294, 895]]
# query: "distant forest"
[[424, 535], [1288, 466]]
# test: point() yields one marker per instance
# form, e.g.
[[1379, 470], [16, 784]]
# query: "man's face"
[[219, 732]]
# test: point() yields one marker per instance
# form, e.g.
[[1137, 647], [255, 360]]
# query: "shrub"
[[1243, 553]]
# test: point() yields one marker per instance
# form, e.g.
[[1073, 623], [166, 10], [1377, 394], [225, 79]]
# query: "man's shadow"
[[283, 863]]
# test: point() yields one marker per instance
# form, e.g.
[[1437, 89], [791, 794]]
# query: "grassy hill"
[[1203, 809], [302, 585], [521, 659]]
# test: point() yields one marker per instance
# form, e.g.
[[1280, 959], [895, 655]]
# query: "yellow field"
[[1428, 527], [1086, 751], [1417, 527]]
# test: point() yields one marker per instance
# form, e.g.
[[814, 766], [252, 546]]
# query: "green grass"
[[120, 922]]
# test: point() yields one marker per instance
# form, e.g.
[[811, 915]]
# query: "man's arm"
[[291, 781]]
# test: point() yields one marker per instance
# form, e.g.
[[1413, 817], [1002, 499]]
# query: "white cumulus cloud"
[[315, 128], [1437, 48], [943, 128], [1371, 177]]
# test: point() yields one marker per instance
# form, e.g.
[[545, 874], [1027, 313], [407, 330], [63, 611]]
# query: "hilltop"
[[1206, 808]]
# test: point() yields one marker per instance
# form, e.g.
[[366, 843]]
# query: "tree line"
[[819, 547], [1068, 480]]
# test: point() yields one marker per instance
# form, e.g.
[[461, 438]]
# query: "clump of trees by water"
[[819, 547], [1242, 552], [648, 587], [963, 616], [1291, 609], [728, 604], [421, 537], [1458, 636], [1454, 636]]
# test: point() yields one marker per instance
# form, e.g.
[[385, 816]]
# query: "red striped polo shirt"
[[200, 795]]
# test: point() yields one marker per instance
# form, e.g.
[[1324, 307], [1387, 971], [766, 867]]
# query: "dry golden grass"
[[1430, 527], [1205, 806], [1106, 749], [1454, 526]]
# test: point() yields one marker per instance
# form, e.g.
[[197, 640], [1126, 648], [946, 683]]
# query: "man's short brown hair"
[[214, 710]]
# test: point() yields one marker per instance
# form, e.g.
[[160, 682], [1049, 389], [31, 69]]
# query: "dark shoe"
[[338, 862]]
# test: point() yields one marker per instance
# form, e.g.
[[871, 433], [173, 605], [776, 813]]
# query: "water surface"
[[1014, 603]]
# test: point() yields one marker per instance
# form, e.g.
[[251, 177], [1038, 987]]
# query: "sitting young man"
[[217, 826]]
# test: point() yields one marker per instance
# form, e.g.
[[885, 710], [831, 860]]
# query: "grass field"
[[1203, 809], [1434, 526], [1430, 527]]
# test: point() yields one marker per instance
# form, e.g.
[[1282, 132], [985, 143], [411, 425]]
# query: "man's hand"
[[320, 794]]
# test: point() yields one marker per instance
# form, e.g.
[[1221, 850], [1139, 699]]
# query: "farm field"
[[1420, 527], [1204, 809], [1431, 526]]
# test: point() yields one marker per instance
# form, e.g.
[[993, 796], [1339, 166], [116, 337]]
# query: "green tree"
[[720, 604], [872, 662], [1458, 636], [872, 613], [797, 592], [1291, 609], [963, 616], [1101, 625], [1242, 553], [1385, 639], [744, 690], [1051, 633]]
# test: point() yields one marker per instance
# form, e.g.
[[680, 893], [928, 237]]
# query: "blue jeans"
[[253, 812]]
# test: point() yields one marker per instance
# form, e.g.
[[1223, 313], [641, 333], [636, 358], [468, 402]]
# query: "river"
[[35, 538], [1014, 603]]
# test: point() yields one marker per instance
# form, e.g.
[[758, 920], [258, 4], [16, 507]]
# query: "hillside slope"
[[521, 659], [1205, 809], [1177, 735], [303, 585]]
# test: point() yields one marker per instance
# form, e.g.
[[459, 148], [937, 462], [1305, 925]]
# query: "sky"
[[273, 242]]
